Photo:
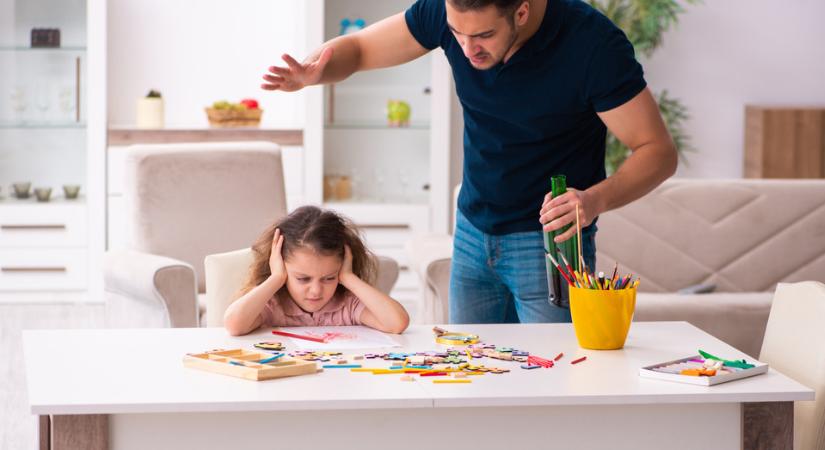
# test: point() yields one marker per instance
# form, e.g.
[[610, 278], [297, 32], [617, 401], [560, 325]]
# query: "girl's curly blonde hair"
[[310, 227]]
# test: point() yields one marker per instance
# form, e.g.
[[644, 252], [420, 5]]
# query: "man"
[[539, 82]]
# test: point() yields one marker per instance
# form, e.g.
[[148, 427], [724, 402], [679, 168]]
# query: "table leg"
[[44, 433], [79, 432], [767, 426]]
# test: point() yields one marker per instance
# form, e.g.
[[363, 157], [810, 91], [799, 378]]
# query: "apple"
[[398, 113], [250, 103]]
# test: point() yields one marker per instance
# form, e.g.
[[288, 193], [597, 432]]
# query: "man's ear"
[[522, 13]]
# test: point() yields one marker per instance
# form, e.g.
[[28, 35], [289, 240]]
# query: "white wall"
[[722, 55], [725, 54], [199, 51]]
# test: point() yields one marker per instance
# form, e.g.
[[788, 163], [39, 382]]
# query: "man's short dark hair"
[[505, 7]]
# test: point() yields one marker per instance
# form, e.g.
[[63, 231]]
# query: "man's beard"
[[513, 39]]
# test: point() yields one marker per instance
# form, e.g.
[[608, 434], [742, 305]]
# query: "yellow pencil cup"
[[602, 318]]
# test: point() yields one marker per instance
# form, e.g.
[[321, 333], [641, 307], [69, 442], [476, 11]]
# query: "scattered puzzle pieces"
[[269, 345]]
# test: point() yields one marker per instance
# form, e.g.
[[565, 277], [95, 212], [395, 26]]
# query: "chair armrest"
[[148, 291], [438, 284], [386, 273], [423, 249], [225, 275]]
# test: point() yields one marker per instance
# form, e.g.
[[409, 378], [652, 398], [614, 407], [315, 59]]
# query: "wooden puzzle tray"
[[245, 364]]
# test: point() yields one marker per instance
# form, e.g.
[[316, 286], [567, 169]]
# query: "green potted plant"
[[645, 22], [150, 110]]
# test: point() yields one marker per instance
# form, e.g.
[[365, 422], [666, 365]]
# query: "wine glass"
[[66, 100], [42, 100], [17, 98]]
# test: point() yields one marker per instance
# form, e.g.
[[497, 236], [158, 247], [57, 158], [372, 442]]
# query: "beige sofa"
[[743, 236]]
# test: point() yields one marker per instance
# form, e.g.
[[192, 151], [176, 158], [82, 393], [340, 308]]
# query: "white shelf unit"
[[52, 132], [400, 175]]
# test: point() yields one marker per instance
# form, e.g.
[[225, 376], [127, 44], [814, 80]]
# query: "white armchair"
[[183, 202], [795, 345]]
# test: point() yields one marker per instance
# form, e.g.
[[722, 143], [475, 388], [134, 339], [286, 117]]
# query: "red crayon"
[[300, 336]]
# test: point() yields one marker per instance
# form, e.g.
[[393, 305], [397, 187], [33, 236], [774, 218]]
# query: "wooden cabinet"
[[43, 246], [784, 142]]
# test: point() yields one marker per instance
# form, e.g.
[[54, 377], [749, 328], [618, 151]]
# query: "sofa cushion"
[[741, 235], [739, 319]]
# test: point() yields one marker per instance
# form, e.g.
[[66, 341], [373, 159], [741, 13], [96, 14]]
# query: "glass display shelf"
[[7, 199], [26, 125], [374, 125], [22, 49], [392, 201]]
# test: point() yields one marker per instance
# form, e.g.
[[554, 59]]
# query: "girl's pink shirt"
[[342, 309]]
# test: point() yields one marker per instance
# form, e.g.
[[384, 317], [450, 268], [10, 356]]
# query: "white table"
[[133, 383]]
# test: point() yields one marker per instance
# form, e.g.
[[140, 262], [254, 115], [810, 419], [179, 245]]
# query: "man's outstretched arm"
[[383, 44]]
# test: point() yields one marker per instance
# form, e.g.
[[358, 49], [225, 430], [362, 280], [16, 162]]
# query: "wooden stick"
[[579, 232]]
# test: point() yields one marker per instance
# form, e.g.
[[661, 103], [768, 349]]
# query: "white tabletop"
[[109, 371]]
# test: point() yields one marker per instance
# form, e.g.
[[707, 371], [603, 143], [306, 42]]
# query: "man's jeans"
[[503, 279]]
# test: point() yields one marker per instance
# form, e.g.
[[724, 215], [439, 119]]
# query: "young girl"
[[312, 269]]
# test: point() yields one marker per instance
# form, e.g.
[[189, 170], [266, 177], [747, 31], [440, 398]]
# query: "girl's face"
[[311, 278]]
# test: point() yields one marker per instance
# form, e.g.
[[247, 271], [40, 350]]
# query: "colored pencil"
[[558, 357], [615, 271], [300, 336], [550, 257], [567, 263], [576, 361], [629, 279]]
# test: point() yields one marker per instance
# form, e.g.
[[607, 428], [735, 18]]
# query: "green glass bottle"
[[555, 282]]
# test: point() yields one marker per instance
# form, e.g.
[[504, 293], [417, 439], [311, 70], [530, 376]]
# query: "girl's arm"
[[381, 312], [244, 314]]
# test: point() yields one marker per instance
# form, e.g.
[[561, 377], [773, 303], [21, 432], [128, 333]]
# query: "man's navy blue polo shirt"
[[534, 116]]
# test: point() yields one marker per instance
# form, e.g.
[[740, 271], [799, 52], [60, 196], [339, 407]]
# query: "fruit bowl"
[[223, 114]]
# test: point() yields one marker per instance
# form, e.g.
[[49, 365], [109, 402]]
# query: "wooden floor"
[[17, 426]]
